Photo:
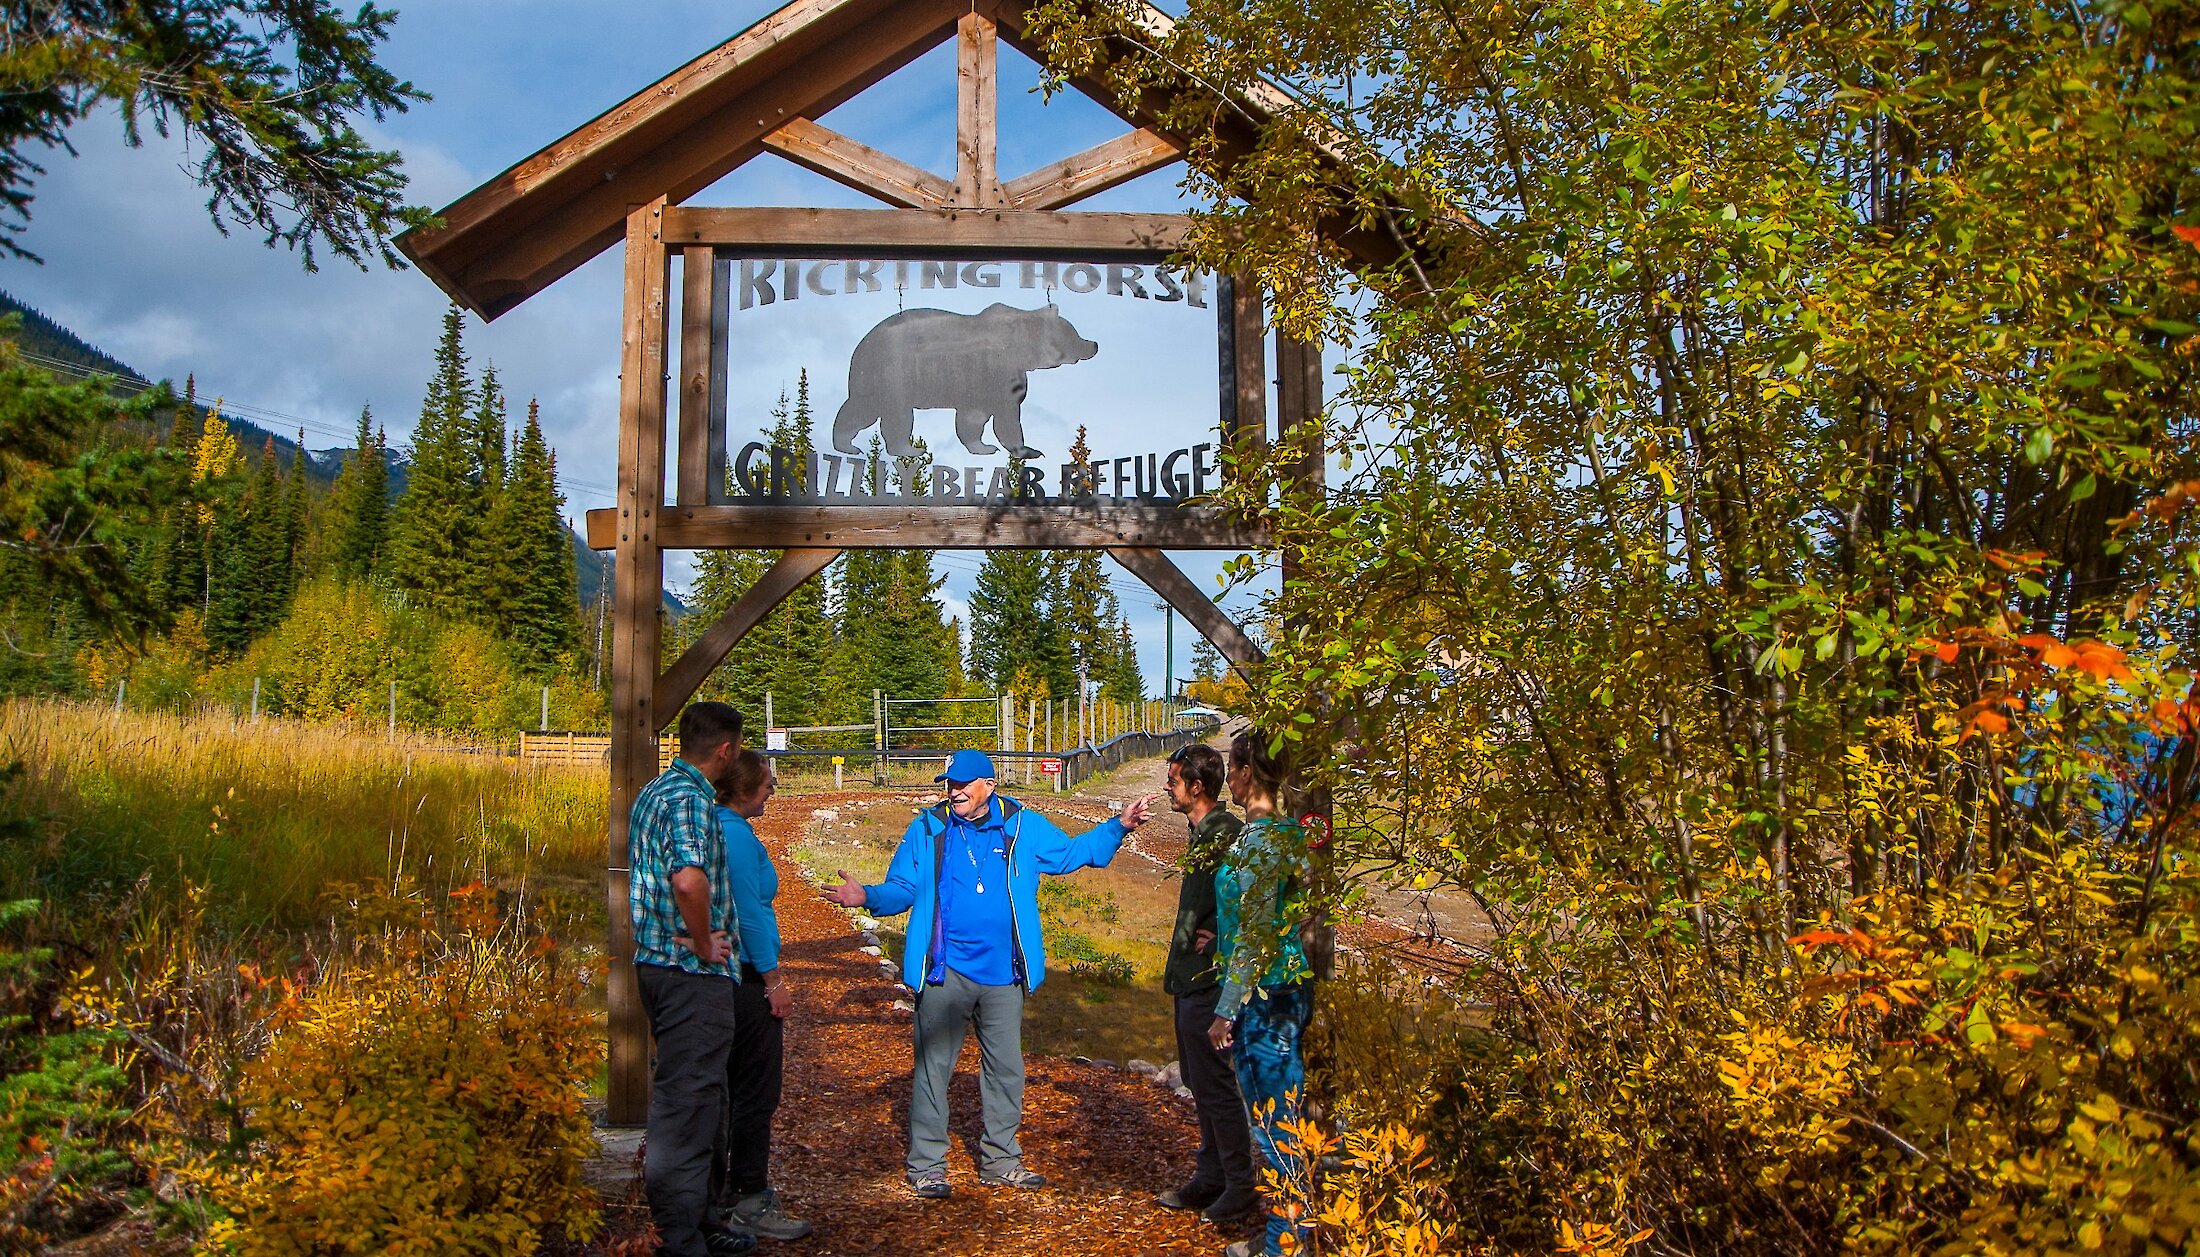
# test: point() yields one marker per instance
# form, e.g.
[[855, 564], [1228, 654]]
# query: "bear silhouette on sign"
[[977, 365]]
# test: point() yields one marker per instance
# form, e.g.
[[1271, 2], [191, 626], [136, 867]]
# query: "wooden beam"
[[521, 231], [1233, 131], [961, 234], [639, 578], [936, 527], [688, 672], [977, 115], [1245, 367], [1091, 172], [698, 271], [859, 166], [1164, 577], [1299, 413]]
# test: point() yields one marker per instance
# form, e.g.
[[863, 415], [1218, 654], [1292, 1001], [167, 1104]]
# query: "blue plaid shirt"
[[674, 825]]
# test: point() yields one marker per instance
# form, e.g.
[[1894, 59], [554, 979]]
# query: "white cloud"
[[134, 266]]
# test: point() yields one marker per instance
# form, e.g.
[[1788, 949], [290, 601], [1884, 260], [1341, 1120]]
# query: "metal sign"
[[963, 382]]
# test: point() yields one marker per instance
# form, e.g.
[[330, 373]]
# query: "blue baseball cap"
[[967, 765]]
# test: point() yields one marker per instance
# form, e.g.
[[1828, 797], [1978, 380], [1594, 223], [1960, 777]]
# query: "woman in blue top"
[[1266, 997], [742, 1183]]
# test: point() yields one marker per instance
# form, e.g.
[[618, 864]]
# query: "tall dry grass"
[[267, 817]]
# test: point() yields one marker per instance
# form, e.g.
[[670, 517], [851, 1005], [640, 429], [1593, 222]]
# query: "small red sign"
[[1050, 765], [1318, 830]]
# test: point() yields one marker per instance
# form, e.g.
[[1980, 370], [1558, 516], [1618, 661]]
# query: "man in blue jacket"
[[967, 872]]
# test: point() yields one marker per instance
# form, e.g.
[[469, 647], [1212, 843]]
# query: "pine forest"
[[445, 599]]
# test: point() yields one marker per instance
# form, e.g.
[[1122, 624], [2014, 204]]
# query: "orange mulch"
[[1107, 1139]]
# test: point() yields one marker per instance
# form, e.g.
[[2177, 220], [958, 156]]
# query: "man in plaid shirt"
[[685, 940]]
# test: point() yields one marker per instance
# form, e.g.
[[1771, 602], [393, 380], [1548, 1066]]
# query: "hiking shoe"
[[1242, 1248], [1189, 1196], [1231, 1205], [728, 1243], [761, 1213], [1021, 1178], [931, 1185]]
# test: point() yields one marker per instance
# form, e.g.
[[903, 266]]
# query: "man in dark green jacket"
[[1224, 1184]]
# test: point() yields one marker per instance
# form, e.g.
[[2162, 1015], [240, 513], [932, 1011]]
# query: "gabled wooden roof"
[[516, 234]]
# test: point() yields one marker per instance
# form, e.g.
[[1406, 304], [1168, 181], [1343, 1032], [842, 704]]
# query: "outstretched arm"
[[894, 895], [1060, 853]]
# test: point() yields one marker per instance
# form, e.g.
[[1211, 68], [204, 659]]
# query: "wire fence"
[[1056, 745]]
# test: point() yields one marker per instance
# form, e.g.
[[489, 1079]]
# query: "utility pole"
[[1168, 650]]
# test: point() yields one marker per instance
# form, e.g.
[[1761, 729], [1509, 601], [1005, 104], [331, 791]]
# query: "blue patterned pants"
[[1271, 1070]]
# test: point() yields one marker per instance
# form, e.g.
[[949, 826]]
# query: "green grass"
[[267, 818]]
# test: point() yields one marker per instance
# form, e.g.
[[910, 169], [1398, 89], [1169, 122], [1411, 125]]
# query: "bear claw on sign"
[[977, 365]]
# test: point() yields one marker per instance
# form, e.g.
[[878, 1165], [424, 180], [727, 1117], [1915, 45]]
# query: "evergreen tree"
[[1011, 629], [797, 639], [489, 434], [436, 523], [1206, 662], [214, 466], [536, 590], [1082, 604], [893, 635], [1121, 680], [721, 577], [792, 654], [180, 582], [297, 518], [359, 504], [252, 577]]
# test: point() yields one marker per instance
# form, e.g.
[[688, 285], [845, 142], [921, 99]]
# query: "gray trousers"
[[692, 1018], [945, 1014]]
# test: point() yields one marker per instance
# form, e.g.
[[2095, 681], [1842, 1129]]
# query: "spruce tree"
[[490, 429], [797, 637], [251, 586], [721, 577], [537, 602], [359, 504], [180, 582], [893, 633], [1121, 679], [1010, 628], [1206, 662], [1082, 605], [212, 505], [435, 526], [298, 517]]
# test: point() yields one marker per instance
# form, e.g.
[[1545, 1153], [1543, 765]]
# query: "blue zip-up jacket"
[[1036, 847], [754, 881]]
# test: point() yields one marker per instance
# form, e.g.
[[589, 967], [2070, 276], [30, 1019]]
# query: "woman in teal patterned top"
[[1267, 998]]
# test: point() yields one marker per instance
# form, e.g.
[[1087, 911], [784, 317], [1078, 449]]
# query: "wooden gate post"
[[640, 577]]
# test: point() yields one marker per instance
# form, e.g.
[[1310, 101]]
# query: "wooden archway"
[[623, 176]]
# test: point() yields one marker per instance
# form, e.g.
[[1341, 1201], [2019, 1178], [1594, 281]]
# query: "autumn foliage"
[[423, 1096], [1758, 579]]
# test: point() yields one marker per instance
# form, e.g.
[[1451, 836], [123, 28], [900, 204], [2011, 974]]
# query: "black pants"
[[1225, 1141], [692, 1018], [742, 1166]]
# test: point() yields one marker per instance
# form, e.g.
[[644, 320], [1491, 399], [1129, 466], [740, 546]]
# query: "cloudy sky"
[[133, 265]]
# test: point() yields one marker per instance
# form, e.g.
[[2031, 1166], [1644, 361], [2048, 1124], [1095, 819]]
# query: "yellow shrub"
[[1383, 1199], [424, 1097]]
